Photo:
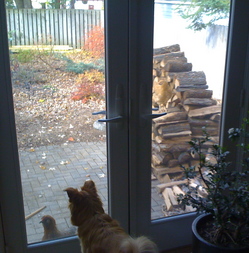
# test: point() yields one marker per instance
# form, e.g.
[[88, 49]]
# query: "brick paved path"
[[47, 171]]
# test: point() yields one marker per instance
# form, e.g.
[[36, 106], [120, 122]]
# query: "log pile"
[[184, 95]]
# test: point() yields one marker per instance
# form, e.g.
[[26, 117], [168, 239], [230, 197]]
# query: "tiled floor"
[[47, 171]]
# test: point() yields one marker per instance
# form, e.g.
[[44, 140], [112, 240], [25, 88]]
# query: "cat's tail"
[[139, 245]]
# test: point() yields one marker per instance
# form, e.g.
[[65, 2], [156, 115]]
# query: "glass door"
[[57, 93], [132, 200], [58, 84], [188, 86]]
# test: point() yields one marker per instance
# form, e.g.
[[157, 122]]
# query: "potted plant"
[[224, 224]]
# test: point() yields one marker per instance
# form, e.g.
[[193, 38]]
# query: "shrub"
[[90, 86], [25, 56], [79, 67], [226, 189], [95, 42], [82, 67], [29, 55]]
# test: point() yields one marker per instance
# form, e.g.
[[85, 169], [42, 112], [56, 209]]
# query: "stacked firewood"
[[184, 95]]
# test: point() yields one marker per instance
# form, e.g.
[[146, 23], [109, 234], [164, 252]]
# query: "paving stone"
[[45, 187]]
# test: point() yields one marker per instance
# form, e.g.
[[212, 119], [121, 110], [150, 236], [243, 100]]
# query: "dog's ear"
[[72, 193], [75, 196], [90, 185]]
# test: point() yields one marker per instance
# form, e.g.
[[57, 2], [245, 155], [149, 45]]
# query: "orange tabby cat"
[[98, 232]]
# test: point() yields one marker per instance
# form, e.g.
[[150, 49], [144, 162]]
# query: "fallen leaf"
[[64, 162], [42, 167], [70, 139]]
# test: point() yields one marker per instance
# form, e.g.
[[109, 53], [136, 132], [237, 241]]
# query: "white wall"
[[206, 49]]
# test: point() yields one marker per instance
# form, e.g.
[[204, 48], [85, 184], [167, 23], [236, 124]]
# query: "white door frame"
[[130, 32]]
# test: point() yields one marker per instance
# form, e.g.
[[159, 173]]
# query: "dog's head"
[[85, 203]]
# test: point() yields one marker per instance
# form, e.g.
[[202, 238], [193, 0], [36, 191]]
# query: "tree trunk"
[[175, 127], [72, 4], [23, 4], [202, 112], [200, 101], [193, 78], [177, 66], [28, 4], [174, 116], [161, 158], [170, 57], [197, 94], [19, 4], [168, 49], [57, 4], [158, 58]]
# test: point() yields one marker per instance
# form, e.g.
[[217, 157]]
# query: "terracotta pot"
[[202, 246]]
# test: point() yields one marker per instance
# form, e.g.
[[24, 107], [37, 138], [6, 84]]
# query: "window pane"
[[188, 70], [58, 81]]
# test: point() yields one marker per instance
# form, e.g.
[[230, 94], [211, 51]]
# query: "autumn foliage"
[[90, 86], [91, 82], [95, 42]]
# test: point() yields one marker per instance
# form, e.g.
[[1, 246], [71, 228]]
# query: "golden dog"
[[98, 232]]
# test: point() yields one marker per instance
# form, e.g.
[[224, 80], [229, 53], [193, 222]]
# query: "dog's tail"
[[139, 245]]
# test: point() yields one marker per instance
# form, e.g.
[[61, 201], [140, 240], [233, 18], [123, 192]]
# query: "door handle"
[[118, 118], [153, 116], [114, 119], [118, 106], [100, 112]]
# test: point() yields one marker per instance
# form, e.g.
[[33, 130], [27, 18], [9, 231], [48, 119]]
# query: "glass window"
[[188, 73]]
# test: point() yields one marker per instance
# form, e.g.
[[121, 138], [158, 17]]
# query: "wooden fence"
[[50, 26]]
